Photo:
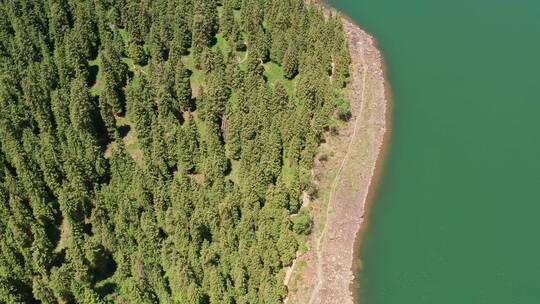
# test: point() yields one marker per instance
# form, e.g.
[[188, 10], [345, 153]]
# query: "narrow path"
[[318, 286], [245, 57], [288, 275]]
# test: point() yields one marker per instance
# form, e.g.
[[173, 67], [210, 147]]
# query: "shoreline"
[[356, 266], [331, 264]]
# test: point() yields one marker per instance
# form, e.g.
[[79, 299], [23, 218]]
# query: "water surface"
[[457, 215]]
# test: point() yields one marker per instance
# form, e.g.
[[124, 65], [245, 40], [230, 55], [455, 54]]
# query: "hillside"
[[157, 151]]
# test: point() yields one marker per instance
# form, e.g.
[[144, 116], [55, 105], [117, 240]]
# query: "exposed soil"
[[325, 272]]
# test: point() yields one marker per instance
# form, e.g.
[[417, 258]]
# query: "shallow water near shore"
[[456, 216]]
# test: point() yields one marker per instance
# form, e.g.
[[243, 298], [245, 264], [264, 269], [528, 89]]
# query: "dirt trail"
[[315, 291], [323, 275]]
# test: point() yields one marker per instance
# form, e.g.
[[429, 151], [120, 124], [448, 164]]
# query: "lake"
[[456, 217]]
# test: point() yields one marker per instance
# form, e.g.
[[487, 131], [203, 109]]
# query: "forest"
[[157, 151]]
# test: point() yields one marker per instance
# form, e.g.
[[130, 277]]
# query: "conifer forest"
[[158, 151]]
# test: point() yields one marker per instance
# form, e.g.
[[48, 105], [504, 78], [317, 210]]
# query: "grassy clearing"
[[274, 73], [233, 175], [130, 139], [124, 35], [288, 170], [197, 77], [237, 15], [221, 43], [64, 236]]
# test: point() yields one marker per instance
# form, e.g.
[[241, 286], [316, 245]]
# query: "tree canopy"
[[156, 151]]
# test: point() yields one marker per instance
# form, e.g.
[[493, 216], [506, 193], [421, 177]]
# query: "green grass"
[[188, 60], [122, 121], [132, 147], [233, 175], [96, 88], [130, 140], [124, 35], [243, 63], [201, 126], [132, 67], [274, 73], [233, 98], [288, 170], [302, 243], [197, 79], [237, 15], [130, 63], [241, 54], [222, 44]]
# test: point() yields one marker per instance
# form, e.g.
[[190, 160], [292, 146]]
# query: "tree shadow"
[[87, 228], [122, 97], [52, 231], [213, 41], [105, 265], [124, 130], [106, 289], [92, 75], [59, 258]]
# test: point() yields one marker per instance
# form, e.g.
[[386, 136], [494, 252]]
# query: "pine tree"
[[205, 26], [290, 62], [227, 21], [182, 86], [137, 53], [192, 203], [259, 45], [143, 112], [235, 40], [188, 145], [81, 108], [217, 94], [234, 132], [109, 104]]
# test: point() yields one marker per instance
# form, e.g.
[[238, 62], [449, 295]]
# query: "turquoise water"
[[456, 218]]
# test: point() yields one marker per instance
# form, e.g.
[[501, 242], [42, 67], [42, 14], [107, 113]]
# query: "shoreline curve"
[[332, 261]]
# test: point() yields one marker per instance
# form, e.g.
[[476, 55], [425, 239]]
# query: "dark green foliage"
[[205, 26], [109, 103], [226, 21], [235, 40], [259, 44], [137, 53], [182, 86], [216, 95], [290, 62], [188, 145], [157, 151], [81, 108]]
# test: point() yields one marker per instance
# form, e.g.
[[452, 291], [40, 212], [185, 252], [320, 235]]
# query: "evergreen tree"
[[227, 21], [182, 86], [188, 145], [116, 187], [290, 62], [205, 25], [81, 108], [136, 51]]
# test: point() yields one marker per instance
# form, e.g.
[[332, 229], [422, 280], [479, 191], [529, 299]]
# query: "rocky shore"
[[324, 274]]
